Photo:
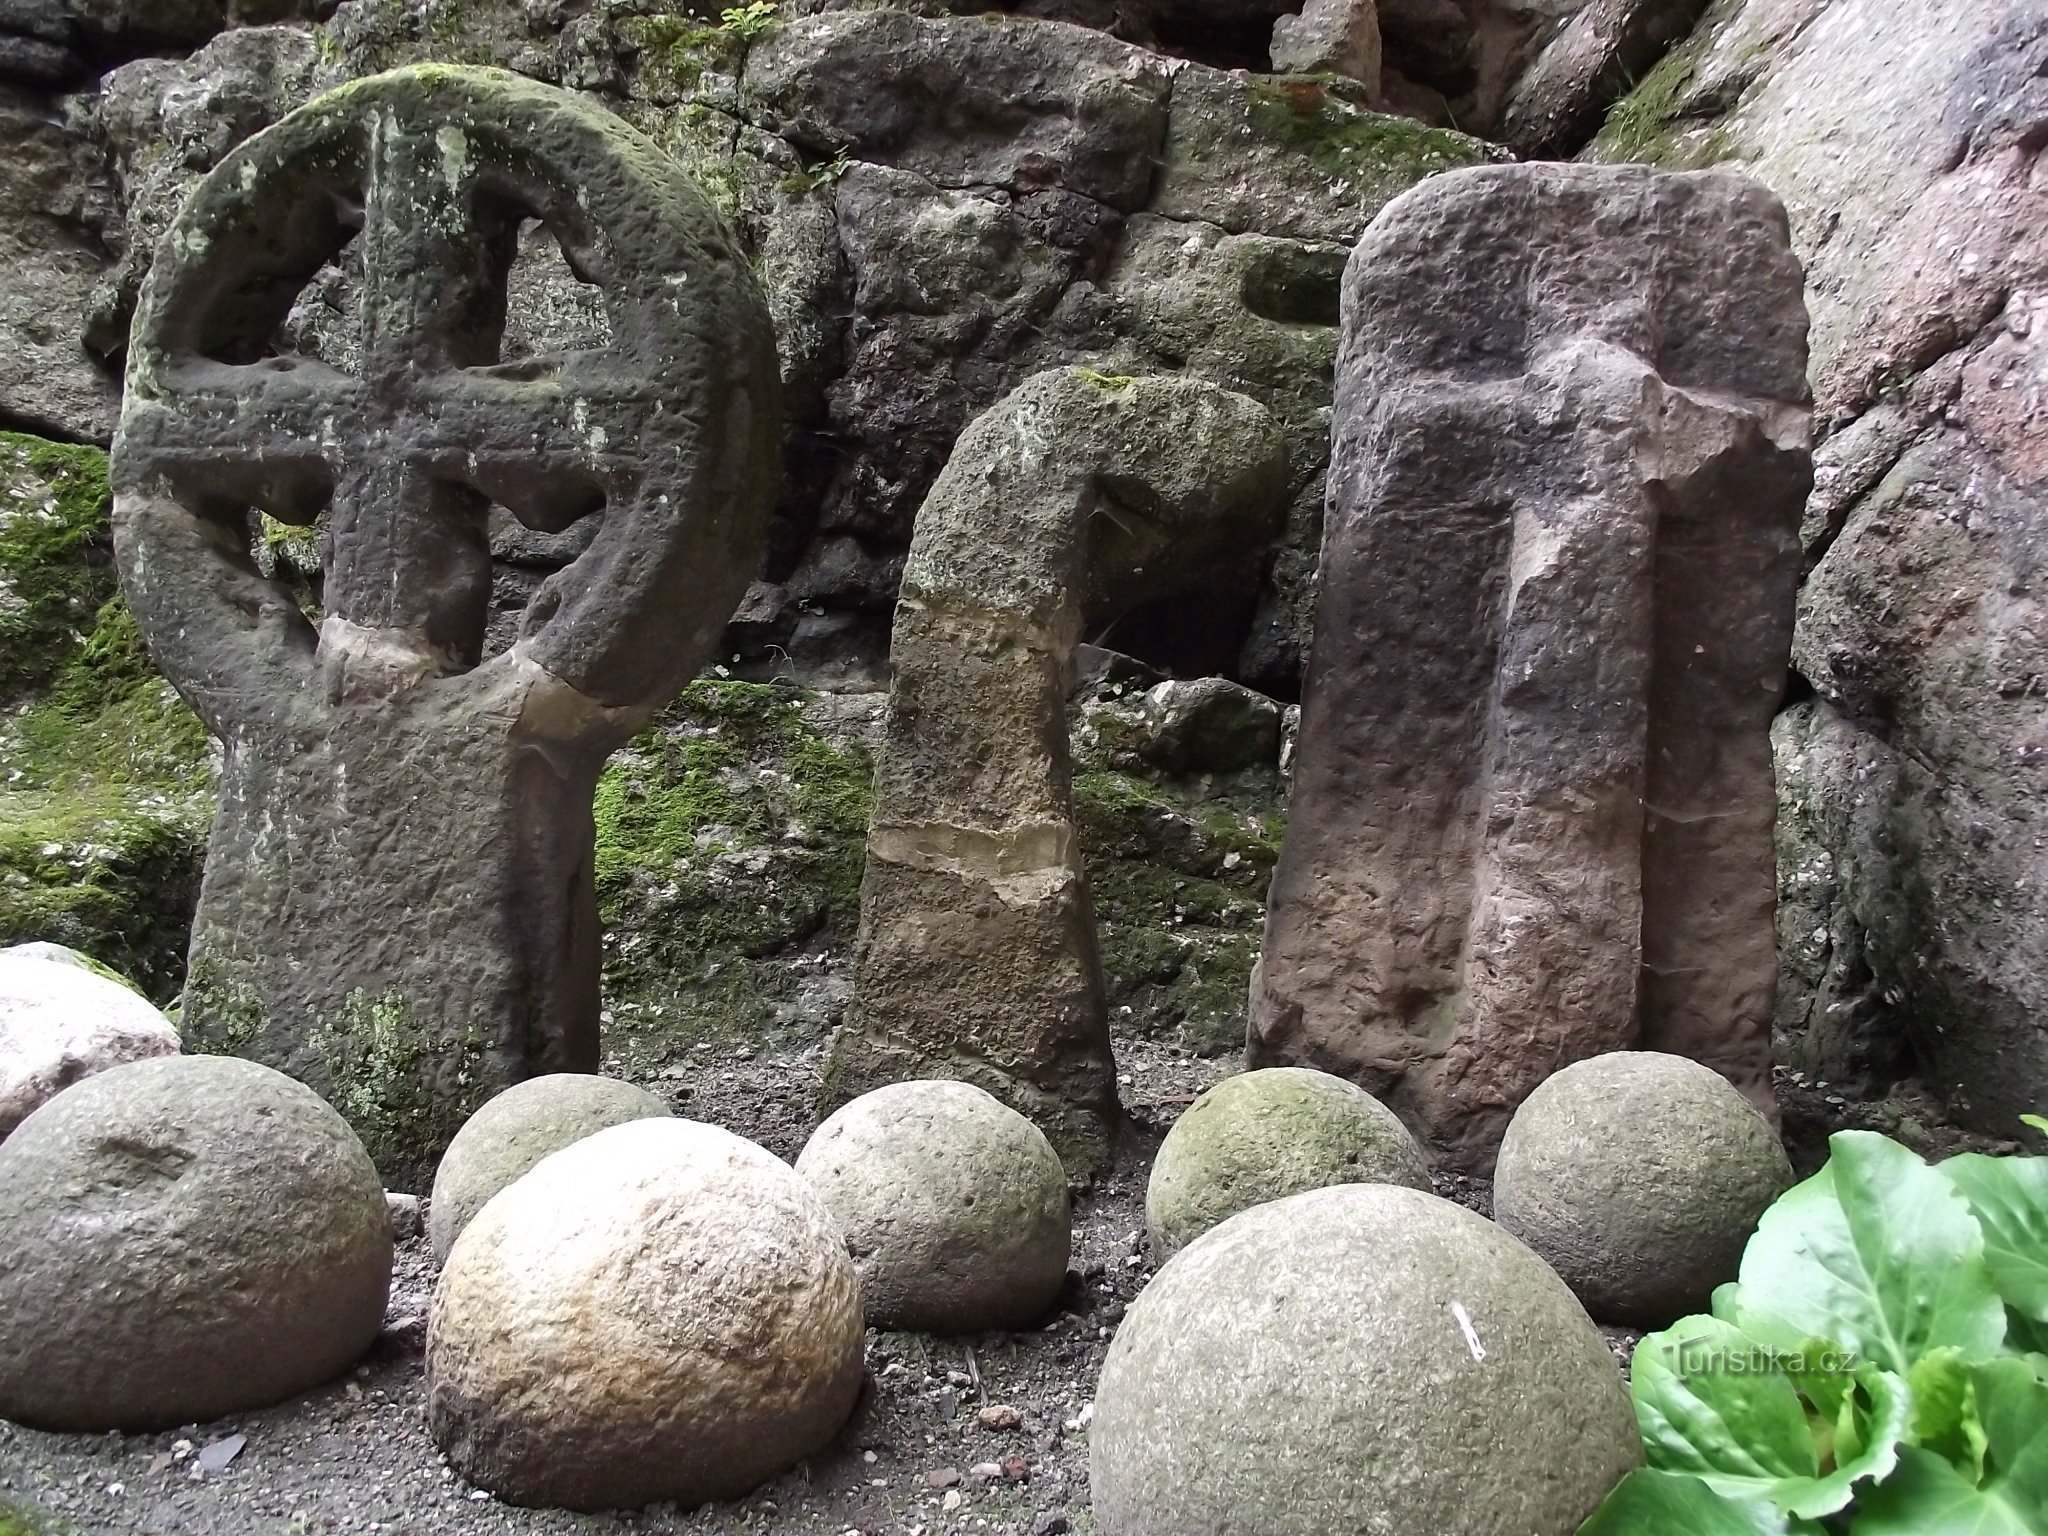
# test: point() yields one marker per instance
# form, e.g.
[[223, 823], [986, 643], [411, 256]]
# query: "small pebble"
[[999, 1416], [944, 1477]]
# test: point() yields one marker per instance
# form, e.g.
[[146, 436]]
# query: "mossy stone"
[[954, 1206], [1638, 1177], [511, 1133], [1359, 1358], [1265, 1135]]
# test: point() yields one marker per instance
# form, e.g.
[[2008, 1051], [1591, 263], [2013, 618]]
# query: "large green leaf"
[[2009, 1197], [1652, 1503], [1712, 1402], [1878, 1252], [1928, 1497], [2012, 1398]]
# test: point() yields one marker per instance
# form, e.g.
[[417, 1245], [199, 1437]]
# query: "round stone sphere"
[[1268, 1134], [514, 1130], [1364, 1357], [62, 1020], [182, 1239], [1639, 1177], [660, 1311], [954, 1206]]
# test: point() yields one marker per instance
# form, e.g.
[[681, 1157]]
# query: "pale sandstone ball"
[[514, 1130], [953, 1204], [1639, 1177], [1359, 1358], [1268, 1134], [182, 1239], [62, 1020], [660, 1311]]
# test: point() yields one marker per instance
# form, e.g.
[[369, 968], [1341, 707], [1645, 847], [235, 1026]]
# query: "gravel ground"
[[985, 1434]]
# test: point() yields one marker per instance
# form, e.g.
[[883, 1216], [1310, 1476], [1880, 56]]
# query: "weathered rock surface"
[[954, 1207], [512, 1132], [384, 782], [1077, 498], [182, 1239], [1023, 103], [1210, 725], [660, 1311], [1533, 807], [56, 204], [60, 1021], [1045, 134], [1339, 37], [1905, 142], [1364, 1358], [1265, 1135], [1639, 1178]]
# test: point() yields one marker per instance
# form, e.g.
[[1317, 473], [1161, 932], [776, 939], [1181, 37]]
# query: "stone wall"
[[1905, 140]]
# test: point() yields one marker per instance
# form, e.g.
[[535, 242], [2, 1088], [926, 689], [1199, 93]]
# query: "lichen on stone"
[[405, 1086]]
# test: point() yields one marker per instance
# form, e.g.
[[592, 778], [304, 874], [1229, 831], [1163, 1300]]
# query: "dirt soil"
[[919, 1457]]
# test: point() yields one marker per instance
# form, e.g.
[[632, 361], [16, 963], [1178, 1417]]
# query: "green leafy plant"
[[1875, 1369], [749, 20]]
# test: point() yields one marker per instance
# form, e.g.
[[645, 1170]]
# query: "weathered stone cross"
[[398, 904]]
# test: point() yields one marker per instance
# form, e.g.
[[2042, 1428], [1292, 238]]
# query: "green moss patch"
[[730, 839], [56, 569], [104, 772], [1347, 141], [1179, 883], [1661, 121]]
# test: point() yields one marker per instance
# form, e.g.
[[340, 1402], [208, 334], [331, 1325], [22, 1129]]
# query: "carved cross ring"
[[670, 429]]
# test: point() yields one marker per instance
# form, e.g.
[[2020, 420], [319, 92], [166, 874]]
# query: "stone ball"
[[660, 1311], [1364, 1357], [62, 1020], [182, 1239], [1639, 1177], [1267, 1134], [514, 1130], [954, 1206]]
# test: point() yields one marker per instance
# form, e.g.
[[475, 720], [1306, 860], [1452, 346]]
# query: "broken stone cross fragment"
[[398, 905], [1533, 803], [1075, 498]]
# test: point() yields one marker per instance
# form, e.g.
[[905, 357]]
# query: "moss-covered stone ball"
[[1359, 1358], [660, 1311], [953, 1204], [1264, 1135], [514, 1130], [182, 1239], [1639, 1177]]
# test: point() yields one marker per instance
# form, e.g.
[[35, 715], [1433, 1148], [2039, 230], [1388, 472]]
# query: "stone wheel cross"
[[398, 905]]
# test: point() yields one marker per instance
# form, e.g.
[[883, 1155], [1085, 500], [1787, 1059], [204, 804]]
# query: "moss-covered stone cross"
[[398, 905]]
